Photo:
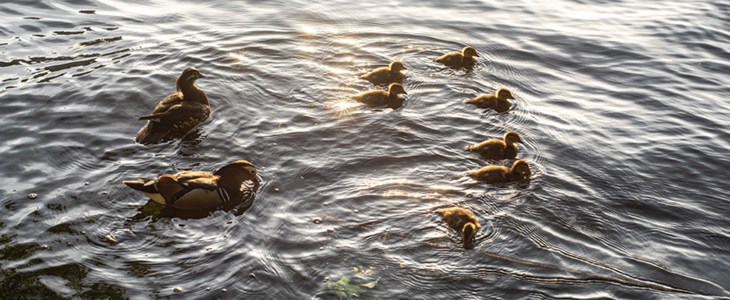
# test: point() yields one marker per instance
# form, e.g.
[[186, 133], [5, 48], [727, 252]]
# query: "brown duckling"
[[196, 190], [385, 75], [456, 60], [463, 221], [498, 149], [381, 97], [498, 101], [497, 174], [177, 114]]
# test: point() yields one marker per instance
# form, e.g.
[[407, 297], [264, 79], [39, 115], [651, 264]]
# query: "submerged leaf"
[[351, 290]]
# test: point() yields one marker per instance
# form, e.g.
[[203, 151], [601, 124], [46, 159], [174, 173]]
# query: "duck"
[[385, 75], [457, 60], [199, 190], [381, 97], [463, 221], [178, 113], [498, 149], [499, 101], [500, 174]]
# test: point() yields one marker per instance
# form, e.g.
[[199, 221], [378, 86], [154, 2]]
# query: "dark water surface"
[[623, 106]]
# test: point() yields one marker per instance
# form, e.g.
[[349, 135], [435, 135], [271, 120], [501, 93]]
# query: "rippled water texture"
[[623, 106]]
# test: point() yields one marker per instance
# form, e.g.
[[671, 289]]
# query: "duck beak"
[[201, 75]]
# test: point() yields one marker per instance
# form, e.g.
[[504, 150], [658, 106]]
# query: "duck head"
[[469, 52], [395, 89], [504, 94], [468, 233], [512, 137], [396, 66], [188, 77], [521, 170], [234, 174]]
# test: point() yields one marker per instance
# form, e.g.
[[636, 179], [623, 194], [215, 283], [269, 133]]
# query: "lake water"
[[623, 106]]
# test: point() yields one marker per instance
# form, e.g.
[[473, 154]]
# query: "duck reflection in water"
[[178, 114]]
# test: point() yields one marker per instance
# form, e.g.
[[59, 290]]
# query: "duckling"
[[456, 60], [497, 101], [176, 115], [463, 221], [385, 75], [196, 190], [497, 174], [498, 149], [381, 97]]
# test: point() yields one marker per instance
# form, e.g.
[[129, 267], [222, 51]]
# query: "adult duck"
[[196, 190], [179, 113]]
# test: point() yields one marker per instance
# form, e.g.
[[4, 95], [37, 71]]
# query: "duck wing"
[[483, 101], [198, 191], [164, 105], [378, 76], [452, 59], [175, 122], [372, 98], [198, 180]]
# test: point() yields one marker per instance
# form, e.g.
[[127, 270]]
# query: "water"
[[622, 105]]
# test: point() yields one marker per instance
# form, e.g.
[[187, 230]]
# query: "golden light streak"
[[343, 107]]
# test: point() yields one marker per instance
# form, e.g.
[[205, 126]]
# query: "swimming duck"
[[498, 101], [385, 75], [498, 149], [463, 221], [196, 190], [457, 60], [381, 97], [496, 174], [177, 114]]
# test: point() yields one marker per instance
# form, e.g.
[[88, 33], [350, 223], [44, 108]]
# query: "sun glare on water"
[[344, 107], [239, 56]]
